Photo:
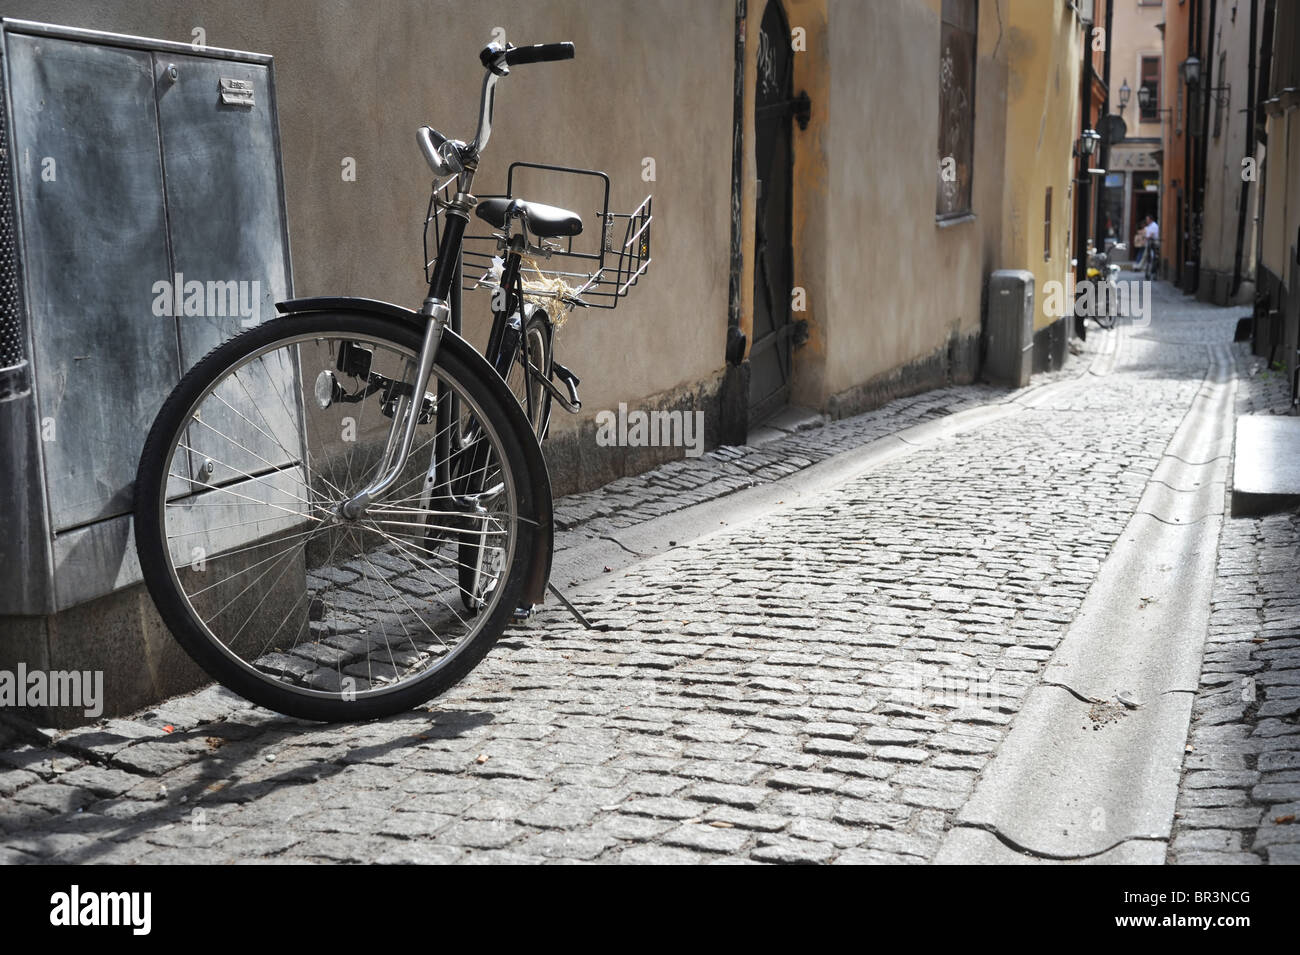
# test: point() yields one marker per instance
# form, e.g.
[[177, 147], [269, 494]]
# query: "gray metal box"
[[127, 166], [1009, 332]]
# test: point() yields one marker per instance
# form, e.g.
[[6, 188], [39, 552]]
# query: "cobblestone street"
[[1241, 789], [823, 681]]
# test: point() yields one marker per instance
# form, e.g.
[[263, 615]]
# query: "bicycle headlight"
[[439, 152]]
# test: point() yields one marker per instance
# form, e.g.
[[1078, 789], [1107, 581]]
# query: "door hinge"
[[800, 107]]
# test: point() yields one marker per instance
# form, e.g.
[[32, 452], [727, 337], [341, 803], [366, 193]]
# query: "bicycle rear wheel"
[[477, 570], [535, 347], [246, 552]]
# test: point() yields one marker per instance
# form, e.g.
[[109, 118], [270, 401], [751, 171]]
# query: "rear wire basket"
[[596, 279]]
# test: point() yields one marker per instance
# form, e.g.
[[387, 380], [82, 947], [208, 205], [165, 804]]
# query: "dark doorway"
[[1146, 199], [769, 357]]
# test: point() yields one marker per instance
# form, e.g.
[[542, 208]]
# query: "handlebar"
[[450, 156], [499, 59], [539, 53]]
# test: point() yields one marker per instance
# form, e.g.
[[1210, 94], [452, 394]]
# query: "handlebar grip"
[[539, 53]]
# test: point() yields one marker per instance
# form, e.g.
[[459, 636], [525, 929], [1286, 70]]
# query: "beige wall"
[[651, 78], [1282, 197], [1133, 35], [898, 286], [1224, 153], [888, 287]]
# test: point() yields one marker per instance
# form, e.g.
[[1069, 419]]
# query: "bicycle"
[[1104, 276], [1151, 264], [332, 566]]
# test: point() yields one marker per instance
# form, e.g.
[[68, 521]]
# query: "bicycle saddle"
[[545, 222]]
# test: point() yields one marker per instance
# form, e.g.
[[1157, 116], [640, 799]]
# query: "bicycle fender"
[[539, 562]]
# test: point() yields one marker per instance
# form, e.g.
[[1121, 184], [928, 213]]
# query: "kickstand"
[[577, 615]]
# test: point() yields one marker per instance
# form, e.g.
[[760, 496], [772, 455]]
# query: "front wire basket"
[[598, 279]]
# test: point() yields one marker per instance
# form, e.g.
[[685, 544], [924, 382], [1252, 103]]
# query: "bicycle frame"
[[439, 311], [436, 311], [505, 343]]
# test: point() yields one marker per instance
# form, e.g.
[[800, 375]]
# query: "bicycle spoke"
[[301, 596]]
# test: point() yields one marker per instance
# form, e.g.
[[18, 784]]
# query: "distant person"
[[1152, 233], [1140, 242]]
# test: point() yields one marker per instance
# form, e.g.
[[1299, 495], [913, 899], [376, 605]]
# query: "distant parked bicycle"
[[338, 512], [1104, 274], [1151, 263]]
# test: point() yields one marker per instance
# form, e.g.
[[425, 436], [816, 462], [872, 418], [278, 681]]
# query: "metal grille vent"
[[15, 381]]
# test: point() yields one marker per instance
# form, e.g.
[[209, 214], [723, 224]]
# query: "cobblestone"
[[823, 684], [1244, 740]]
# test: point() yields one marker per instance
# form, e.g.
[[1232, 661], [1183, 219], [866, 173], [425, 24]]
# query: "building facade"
[[833, 183], [1133, 174]]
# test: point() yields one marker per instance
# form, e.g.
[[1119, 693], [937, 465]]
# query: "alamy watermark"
[[651, 429], [923, 685], [1129, 300], [77, 908], [177, 297], [56, 688]]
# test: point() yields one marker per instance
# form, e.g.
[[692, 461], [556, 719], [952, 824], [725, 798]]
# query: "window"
[[1150, 78], [1047, 226], [956, 107]]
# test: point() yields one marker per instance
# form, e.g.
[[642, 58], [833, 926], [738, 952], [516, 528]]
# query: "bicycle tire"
[[333, 674], [535, 345]]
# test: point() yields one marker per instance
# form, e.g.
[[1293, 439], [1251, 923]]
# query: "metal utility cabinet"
[[127, 167], [1009, 354]]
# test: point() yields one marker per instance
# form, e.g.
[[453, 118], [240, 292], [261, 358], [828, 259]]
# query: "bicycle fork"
[[437, 312]]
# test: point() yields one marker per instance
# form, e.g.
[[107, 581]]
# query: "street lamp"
[[1191, 68], [1087, 144], [1125, 94], [1145, 96]]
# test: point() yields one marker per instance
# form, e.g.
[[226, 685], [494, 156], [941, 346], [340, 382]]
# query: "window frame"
[[965, 210], [1047, 225], [1152, 115]]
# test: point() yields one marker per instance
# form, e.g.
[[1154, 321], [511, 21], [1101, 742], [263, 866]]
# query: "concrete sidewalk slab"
[[1266, 465]]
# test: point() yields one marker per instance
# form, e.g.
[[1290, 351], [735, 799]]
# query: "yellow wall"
[[887, 286], [1282, 194], [1043, 51]]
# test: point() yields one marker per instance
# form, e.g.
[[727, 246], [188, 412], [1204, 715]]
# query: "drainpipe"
[[1207, 83], [1105, 111], [1082, 202], [1250, 151], [1185, 207], [1261, 94]]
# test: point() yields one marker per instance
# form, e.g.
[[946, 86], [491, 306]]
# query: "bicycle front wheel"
[[249, 557]]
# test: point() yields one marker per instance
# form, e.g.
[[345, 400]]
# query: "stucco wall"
[[1134, 35], [898, 286], [1043, 61], [1282, 195], [651, 79], [1225, 151]]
